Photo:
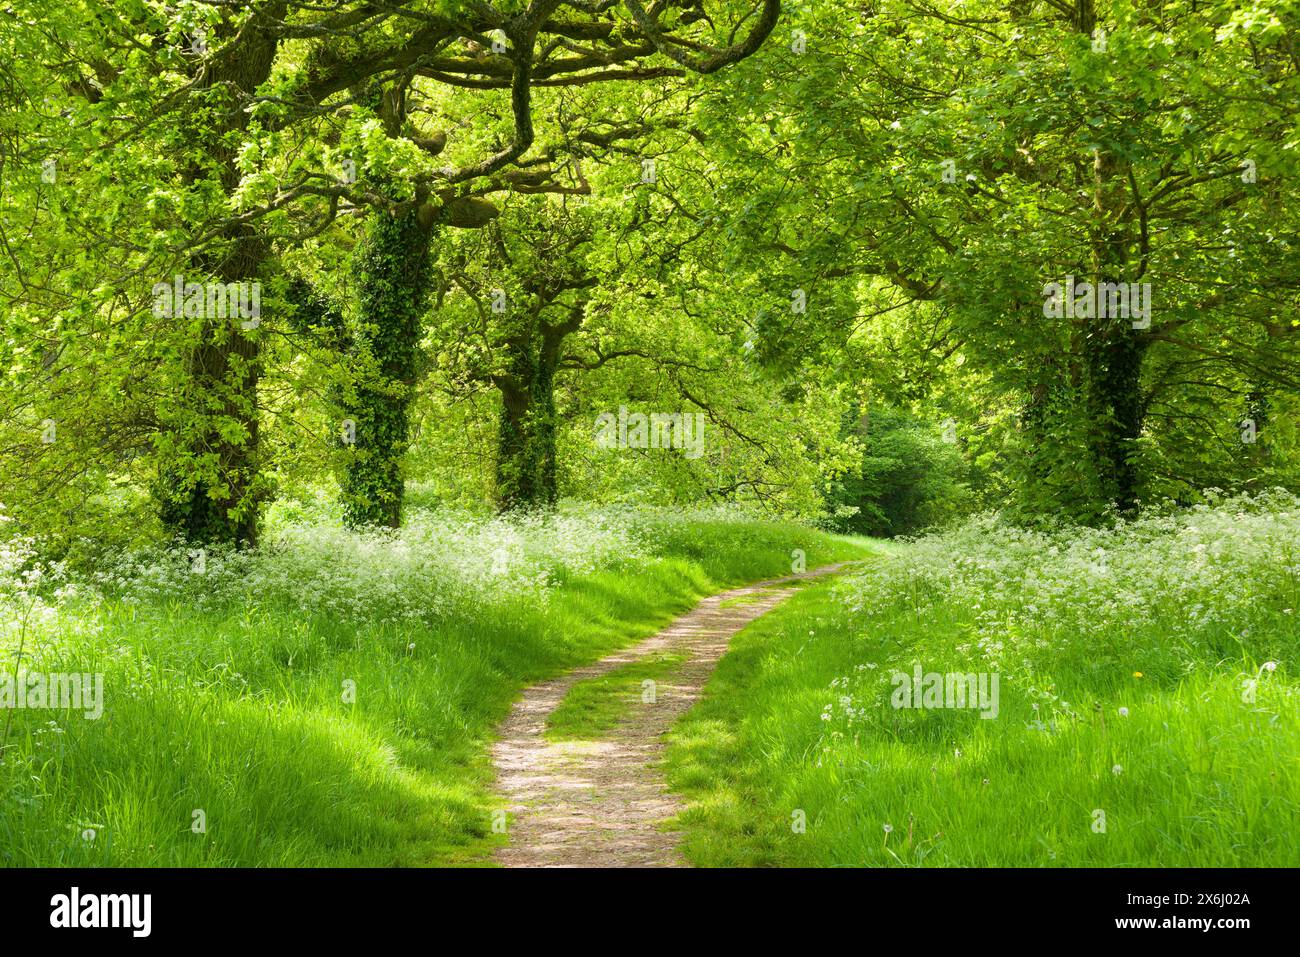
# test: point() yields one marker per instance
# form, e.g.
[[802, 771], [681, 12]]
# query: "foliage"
[[912, 477]]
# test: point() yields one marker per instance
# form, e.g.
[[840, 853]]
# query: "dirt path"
[[601, 803]]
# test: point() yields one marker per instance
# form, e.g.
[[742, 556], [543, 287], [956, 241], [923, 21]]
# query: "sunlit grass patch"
[[1145, 718], [330, 699], [593, 707]]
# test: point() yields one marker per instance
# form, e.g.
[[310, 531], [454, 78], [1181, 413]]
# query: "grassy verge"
[[1147, 709], [330, 700]]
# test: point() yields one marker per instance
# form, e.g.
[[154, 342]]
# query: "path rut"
[[602, 803]]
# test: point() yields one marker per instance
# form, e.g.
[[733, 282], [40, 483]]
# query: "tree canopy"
[[890, 259]]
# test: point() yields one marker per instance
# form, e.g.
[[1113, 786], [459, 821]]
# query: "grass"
[[1147, 679], [254, 717], [593, 707]]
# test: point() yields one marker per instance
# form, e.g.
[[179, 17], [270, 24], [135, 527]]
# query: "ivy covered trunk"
[[526, 461], [1113, 349], [392, 277], [211, 494], [544, 423], [208, 486], [1115, 356], [516, 466]]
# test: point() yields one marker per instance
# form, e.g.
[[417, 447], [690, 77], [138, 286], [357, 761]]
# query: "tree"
[[247, 101], [528, 50], [959, 163]]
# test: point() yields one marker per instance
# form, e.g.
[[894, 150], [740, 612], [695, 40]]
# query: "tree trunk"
[[1114, 351], [526, 460], [516, 465], [210, 492], [223, 372], [392, 276], [544, 418], [1115, 406]]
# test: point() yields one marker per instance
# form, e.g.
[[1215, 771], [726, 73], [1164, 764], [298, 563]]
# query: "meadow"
[[1149, 709], [329, 698]]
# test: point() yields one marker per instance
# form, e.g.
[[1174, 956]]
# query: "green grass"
[[593, 707], [797, 725], [239, 711], [742, 600]]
